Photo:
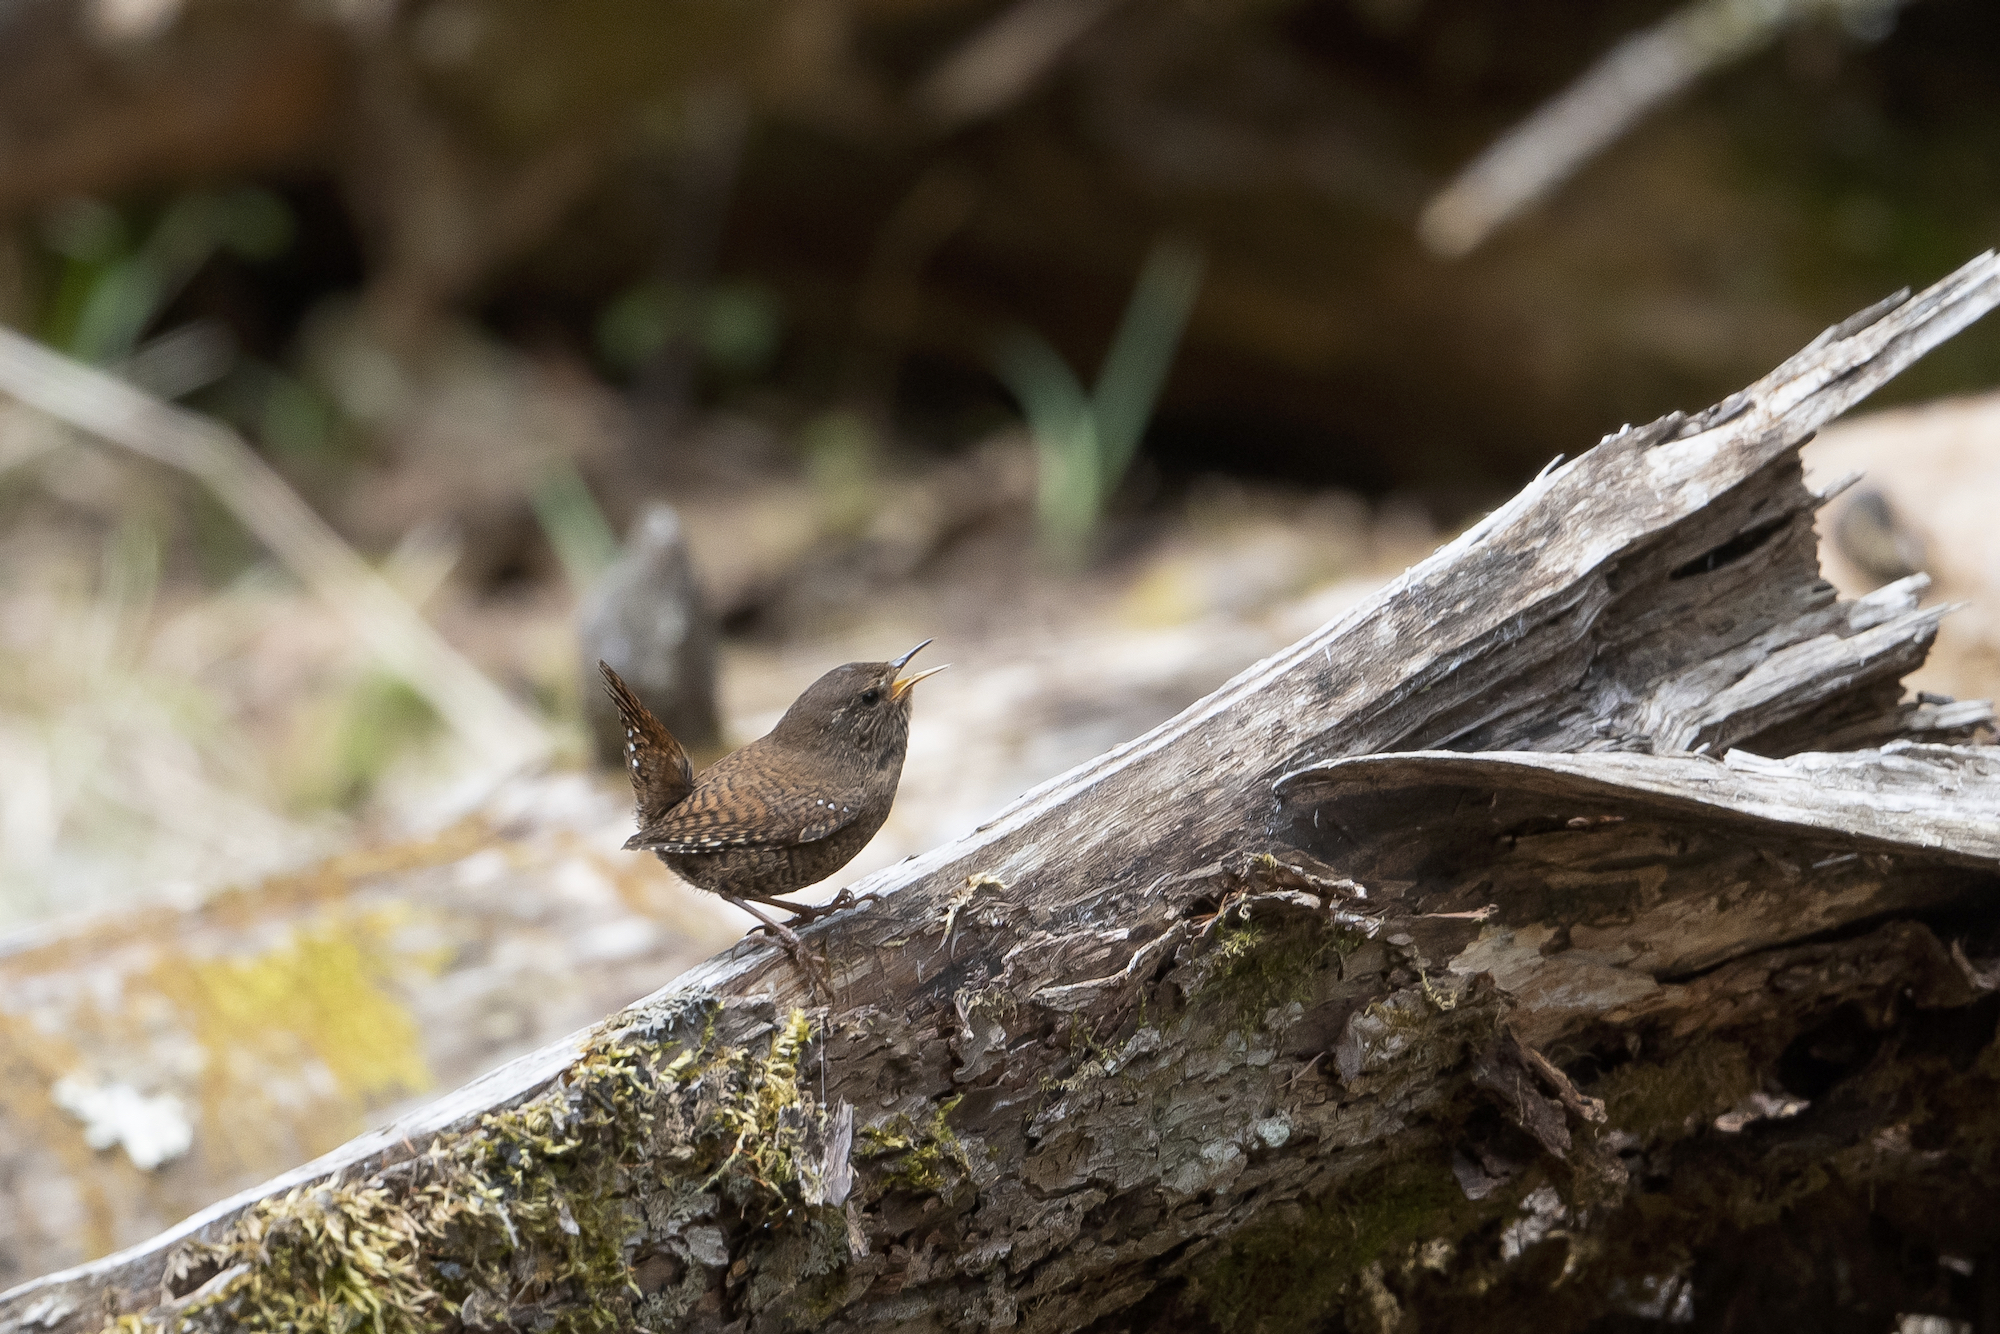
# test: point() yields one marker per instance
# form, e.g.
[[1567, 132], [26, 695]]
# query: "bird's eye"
[[872, 695]]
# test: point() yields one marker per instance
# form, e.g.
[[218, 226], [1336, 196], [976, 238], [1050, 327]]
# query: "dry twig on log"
[[1391, 980]]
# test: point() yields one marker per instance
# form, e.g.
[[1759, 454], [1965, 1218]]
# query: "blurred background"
[[373, 367]]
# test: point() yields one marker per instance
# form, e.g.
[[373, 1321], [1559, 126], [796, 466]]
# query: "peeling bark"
[[1509, 951]]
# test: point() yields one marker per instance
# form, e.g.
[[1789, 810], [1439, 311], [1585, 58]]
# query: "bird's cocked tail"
[[661, 774]]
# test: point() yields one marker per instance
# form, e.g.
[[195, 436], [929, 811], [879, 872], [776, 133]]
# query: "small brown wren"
[[790, 808]]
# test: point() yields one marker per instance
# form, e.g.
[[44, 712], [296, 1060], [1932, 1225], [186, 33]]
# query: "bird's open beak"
[[903, 661], [902, 687]]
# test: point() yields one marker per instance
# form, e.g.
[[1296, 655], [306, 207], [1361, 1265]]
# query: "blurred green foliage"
[[732, 327], [117, 273], [297, 419], [353, 737], [115, 282], [1084, 442], [575, 525], [843, 460]]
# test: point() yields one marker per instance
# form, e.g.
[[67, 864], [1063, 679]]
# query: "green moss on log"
[[924, 1158], [1248, 971], [1664, 1100], [1301, 1264], [536, 1215]]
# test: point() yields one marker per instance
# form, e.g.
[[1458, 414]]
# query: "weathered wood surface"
[[1652, 868], [1106, 1057]]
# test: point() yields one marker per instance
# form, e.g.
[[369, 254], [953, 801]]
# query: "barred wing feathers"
[[745, 801]]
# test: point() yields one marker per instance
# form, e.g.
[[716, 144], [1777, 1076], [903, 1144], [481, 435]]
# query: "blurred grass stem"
[[1085, 442], [575, 525], [503, 736]]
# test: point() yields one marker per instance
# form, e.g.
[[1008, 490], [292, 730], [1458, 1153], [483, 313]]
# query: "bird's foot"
[[805, 914], [840, 902], [810, 964]]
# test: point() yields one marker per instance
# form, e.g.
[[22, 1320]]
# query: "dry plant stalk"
[[503, 736], [1644, 71]]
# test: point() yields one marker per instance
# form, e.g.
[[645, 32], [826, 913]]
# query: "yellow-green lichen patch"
[[331, 1257], [331, 988], [759, 1113], [689, 1150], [301, 1041]]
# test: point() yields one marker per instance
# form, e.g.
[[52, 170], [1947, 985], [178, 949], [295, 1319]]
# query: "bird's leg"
[[802, 913], [807, 913], [813, 969], [778, 929]]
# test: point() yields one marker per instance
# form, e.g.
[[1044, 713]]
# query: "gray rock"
[[648, 619], [1870, 532]]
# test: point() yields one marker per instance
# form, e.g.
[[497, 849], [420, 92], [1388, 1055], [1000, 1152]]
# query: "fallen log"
[[1510, 950]]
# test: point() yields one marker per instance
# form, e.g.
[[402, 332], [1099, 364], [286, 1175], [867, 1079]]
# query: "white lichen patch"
[[1274, 1131], [151, 1129]]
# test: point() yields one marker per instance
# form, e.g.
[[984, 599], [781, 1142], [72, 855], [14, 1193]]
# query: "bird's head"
[[862, 706]]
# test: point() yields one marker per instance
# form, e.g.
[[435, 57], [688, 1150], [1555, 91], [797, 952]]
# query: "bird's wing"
[[745, 800], [659, 768]]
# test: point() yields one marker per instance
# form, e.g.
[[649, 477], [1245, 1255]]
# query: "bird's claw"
[[814, 967], [847, 898], [804, 914]]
